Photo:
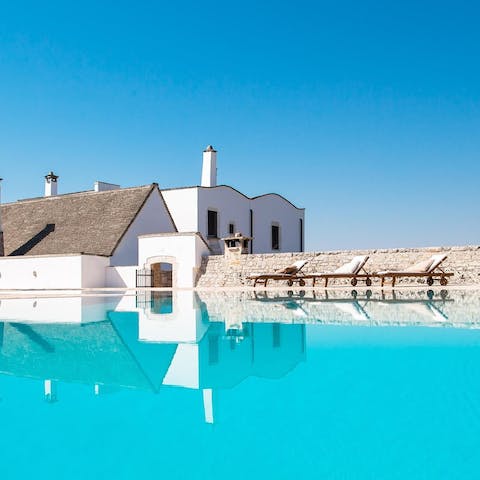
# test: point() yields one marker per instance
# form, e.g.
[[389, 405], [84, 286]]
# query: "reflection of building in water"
[[169, 342], [219, 361], [207, 342], [57, 310], [207, 356]]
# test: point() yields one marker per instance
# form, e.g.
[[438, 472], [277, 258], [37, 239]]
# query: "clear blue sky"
[[366, 113]]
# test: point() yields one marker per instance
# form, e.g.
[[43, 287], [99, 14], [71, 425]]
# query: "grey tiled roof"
[[85, 222]]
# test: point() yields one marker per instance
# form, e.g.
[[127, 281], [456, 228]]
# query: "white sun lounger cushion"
[[420, 266], [294, 268], [353, 266], [436, 261], [425, 266], [299, 264]]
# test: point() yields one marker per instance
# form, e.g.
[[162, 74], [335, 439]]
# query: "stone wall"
[[219, 271]]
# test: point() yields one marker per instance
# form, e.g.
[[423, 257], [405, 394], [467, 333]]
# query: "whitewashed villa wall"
[[273, 209], [184, 251], [183, 206], [121, 277], [218, 271], [93, 271], [231, 207], [52, 272], [189, 207], [152, 218]]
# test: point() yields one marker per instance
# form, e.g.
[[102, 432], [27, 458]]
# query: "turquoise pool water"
[[234, 386]]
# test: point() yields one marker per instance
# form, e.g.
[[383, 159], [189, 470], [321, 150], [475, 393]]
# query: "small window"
[[275, 237], [231, 228], [212, 223]]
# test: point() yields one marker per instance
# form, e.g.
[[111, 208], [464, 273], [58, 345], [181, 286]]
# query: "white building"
[[102, 237], [216, 211]]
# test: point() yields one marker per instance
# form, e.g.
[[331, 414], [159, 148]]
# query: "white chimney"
[[51, 184], [104, 186], [209, 169], [2, 248]]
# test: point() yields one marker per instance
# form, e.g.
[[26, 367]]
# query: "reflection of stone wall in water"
[[464, 262], [400, 308]]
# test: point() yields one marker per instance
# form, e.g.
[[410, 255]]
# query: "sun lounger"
[[291, 274], [429, 269], [350, 270]]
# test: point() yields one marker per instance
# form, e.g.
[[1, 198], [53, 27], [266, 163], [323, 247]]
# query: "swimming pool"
[[233, 385]]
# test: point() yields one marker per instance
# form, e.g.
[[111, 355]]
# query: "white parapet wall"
[[183, 250], [44, 272], [93, 271], [121, 277]]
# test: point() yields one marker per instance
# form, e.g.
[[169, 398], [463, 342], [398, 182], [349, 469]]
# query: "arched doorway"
[[162, 275], [163, 271]]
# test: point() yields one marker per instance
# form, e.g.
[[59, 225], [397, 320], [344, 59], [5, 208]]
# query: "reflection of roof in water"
[[89, 353], [110, 353], [153, 358]]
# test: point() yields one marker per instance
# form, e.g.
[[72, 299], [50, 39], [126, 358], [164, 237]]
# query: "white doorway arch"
[[162, 275]]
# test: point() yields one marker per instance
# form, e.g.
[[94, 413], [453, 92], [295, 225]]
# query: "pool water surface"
[[290, 385]]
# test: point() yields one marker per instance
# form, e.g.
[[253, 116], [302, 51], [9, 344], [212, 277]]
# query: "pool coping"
[[111, 291]]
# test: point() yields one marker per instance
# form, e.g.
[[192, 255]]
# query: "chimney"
[[51, 184], [2, 248], [209, 169]]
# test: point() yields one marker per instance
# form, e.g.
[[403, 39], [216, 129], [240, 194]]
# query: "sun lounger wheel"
[[368, 281], [353, 281], [289, 283], [301, 283], [443, 281], [429, 281]]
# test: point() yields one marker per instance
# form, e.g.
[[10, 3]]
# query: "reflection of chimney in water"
[[208, 405], [50, 390], [2, 247]]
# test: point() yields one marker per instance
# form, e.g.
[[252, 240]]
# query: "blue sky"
[[365, 113]]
